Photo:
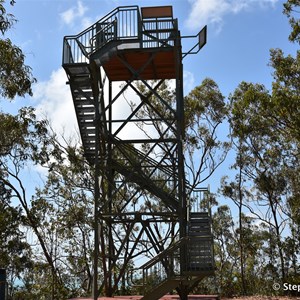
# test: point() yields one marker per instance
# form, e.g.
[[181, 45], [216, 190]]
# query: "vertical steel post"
[[2, 284], [96, 232], [108, 208], [181, 173], [97, 199]]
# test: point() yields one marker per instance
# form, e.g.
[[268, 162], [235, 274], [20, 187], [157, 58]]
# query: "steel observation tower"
[[150, 232]]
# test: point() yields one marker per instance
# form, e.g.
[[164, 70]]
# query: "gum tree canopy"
[[15, 76]]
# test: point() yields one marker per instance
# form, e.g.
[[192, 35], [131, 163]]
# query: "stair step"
[[89, 140], [83, 82], [88, 130], [201, 222], [77, 69], [87, 123], [84, 104], [204, 234], [84, 117], [83, 96], [199, 215], [79, 102], [86, 109], [199, 225]]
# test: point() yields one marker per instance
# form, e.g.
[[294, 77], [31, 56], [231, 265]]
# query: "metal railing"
[[198, 199], [165, 265], [162, 175], [159, 33], [123, 25], [198, 258], [158, 173]]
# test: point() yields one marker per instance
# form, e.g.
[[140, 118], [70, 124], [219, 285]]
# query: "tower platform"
[[148, 45]]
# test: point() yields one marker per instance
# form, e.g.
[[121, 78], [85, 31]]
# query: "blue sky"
[[240, 35]]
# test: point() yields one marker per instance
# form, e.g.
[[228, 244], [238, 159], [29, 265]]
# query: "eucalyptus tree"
[[291, 9], [15, 251], [265, 128], [16, 78], [206, 145], [205, 112], [25, 142]]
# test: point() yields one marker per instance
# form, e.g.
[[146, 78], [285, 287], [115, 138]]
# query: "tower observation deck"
[[132, 129]]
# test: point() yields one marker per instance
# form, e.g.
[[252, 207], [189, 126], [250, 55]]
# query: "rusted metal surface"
[[157, 12], [161, 66]]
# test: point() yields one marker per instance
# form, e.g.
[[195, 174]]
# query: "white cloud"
[[55, 103], [189, 82], [213, 11], [69, 16]]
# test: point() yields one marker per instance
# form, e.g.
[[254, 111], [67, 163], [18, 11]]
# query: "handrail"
[[75, 44], [168, 261], [163, 266], [124, 24], [98, 34], [163, 254], [164, 168], [195, 196], [167, 264], [106, 17]]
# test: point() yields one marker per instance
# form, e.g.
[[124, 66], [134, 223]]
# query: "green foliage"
[[21, 135], [291, 7], [15, 252], [251, 251], [205, 100], [285, 101], [15, 76], [264, 127], [58, 215], [6, 20], [205, 111]]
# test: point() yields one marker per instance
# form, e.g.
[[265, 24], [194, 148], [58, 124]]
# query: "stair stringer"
[[162, 289], [171, 284], [84, 103], [143, 182]]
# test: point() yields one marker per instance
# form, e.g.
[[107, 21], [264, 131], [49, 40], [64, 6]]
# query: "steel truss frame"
[[122, 192], [141, 208]]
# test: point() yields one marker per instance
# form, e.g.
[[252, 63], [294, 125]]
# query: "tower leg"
[[184, 293]]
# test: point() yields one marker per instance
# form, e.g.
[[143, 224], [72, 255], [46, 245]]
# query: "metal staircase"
[[198, 249], [128, 45], [83, 98], [200, 245], [154, 176]]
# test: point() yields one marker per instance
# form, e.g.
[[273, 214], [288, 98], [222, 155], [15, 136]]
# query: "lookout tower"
[[148, 233]]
